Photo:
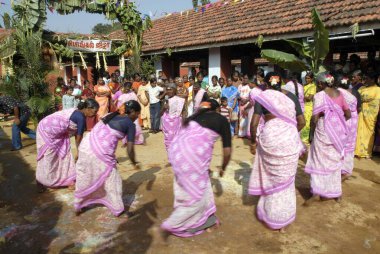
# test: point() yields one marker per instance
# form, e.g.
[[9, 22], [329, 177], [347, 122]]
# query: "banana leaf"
[[284, 60], [321, 45], [301, 46]]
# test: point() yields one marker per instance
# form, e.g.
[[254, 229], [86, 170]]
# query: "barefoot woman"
[[328, 140], [190, 155], [98, 181], [55, 163], [278, 149], [173, 111]]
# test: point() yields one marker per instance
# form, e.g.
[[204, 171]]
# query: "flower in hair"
[[205, 104], [274, 80], [329, 79], [344, 81]]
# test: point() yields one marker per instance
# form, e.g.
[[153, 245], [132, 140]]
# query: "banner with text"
[[89, 45]]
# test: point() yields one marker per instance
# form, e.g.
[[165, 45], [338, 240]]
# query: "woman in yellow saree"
[[310, 90], [370, 95]]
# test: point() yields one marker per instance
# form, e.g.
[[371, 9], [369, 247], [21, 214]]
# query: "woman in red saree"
[[88, 93]]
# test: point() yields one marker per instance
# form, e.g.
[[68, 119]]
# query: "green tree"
[[201, 2], [106, 28], [6, 21], [310, 54]]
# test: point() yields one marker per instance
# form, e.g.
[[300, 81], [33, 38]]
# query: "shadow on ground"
[[21, 206]]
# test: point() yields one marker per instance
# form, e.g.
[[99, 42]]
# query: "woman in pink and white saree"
[[128, 95], [277, 148], [190, 155], [329, 140], [352, 127], [172, 116], [55, 163], [98, 181]]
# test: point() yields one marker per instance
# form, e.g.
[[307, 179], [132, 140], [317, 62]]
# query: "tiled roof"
[[246, 20], [5, 33]]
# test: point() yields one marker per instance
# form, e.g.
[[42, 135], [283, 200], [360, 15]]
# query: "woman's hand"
[[253, 148], [17, 121]]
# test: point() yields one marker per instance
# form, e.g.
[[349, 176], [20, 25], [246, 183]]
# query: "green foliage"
[[355, 30], [28, 84], [146, 69], [284, 60], [310, 54], [7, 87], [30, 14], [201, 2], [7, 21], [169, 51], [63, 51], [28, 21], [204, 2], [106, 28], [259, 41]]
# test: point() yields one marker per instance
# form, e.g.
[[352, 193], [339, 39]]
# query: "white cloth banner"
[[90, 45]]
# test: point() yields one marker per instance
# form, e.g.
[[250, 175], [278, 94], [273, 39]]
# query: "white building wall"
[[214, 63]]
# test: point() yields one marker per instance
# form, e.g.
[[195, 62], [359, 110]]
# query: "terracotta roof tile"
[[248, 19], [5, 33]]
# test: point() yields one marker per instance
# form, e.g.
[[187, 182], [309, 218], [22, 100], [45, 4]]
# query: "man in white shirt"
[[153, 95]]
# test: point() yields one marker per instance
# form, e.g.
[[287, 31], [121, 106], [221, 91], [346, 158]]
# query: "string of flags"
[[152, 14], [202, 9]]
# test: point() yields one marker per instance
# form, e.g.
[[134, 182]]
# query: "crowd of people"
[[326, 120]]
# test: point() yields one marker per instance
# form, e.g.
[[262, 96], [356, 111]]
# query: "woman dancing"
[[55, 163], [98, 181], [190, 155]]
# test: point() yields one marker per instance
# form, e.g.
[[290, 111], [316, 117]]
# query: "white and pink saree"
[[98, 181], [352, 129], [190, 155], [278, 149], [327, 151], [172, 119], [55, 163]]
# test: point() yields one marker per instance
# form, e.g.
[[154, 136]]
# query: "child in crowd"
[[69, 100], [225, 110]]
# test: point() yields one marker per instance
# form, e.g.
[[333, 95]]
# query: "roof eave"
[[299, 34]]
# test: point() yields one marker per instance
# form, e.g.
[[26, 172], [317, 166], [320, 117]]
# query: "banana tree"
[[310, 54]]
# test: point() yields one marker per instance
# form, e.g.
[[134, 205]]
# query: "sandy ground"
[[45, 223]]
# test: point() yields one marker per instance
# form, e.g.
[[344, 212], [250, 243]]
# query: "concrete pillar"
[[68, 73], [79, 81], [214, 63]]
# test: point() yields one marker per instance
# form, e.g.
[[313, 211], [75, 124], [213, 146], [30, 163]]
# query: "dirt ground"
[[45, 223]]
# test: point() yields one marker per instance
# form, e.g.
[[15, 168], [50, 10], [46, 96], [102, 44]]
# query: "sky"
[[82, 22]]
